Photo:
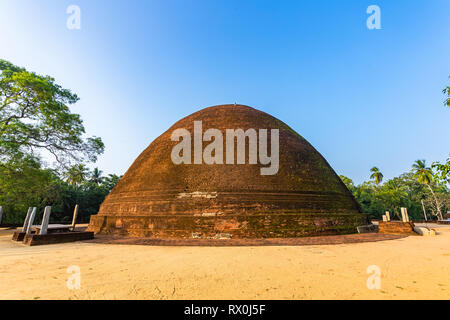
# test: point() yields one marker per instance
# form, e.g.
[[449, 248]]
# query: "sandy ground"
[[411, 268]]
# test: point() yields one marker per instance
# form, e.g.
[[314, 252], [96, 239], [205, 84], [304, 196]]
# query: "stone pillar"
[[74, 220], [406, 214], [388, 217], [31, 220], [403, 214], [27, 218], [45, 220], [1, 214]]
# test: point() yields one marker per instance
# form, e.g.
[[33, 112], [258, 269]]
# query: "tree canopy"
[[35, 117], [427, 185], [27, 184], [35, 120]]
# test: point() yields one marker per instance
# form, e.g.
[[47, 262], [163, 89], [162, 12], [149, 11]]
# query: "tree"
[[393, 194], [443, 201], [424, 175], [110, 181], [35, 121], [376, 175], [35, 117], [446, 92], [23, 184], [442, 171], [96, 176], [404, 191], [76, 175], [348, 182]]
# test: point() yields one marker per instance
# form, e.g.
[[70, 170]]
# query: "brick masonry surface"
[[321, 240], [398, 227]]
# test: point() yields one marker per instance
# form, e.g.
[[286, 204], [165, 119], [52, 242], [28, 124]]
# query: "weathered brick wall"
[[395, 227], [237, 226]]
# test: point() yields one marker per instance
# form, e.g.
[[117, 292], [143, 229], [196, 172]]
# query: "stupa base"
[[229, 226], [301, 241]]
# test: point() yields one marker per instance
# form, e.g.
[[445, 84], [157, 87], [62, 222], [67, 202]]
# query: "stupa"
[[158, 198]]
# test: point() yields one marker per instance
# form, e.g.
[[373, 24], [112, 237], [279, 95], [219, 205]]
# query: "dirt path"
[[411, 268]]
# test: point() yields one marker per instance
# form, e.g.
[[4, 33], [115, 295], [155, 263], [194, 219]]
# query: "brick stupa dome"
[[157, 198]]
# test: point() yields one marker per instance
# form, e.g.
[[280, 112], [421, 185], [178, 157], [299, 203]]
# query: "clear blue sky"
[[361, 97]]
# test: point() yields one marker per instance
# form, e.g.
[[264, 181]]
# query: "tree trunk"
[[438, 206], [424, 212]]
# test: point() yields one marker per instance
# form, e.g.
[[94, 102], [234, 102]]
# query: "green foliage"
[[76, 174], [30, 185], [442, 174], [407, 190], [35, 117], [422, 173], [376, 175], [348, 182], [110, 181], [96, 176], [22, 184], [446, 92], [35, 120]]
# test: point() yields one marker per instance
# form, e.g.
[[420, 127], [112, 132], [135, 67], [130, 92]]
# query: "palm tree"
[[424, 175], [376, 175], [96, 176], [76, 174]]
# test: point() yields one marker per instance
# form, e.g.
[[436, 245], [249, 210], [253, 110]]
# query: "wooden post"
[[31, 220], [424, 212], [27, 218], [74, 220], [45, 220], [388, 217], [406, 215], [1, 214]]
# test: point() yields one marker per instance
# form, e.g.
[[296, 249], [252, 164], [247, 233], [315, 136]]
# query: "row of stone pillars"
[[404, 212], [29, 219]]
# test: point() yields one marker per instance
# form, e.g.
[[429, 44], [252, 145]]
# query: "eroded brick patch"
[[304, 241]]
